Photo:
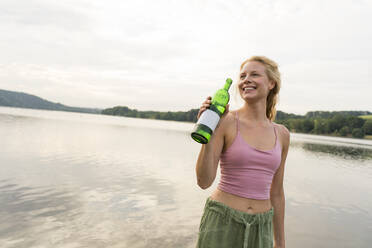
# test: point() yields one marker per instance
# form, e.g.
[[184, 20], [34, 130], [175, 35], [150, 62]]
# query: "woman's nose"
[[247, 80]]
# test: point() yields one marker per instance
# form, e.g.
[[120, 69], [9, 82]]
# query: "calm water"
[[80, 180]]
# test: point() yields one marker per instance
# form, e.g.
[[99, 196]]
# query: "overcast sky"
[[170, 55]]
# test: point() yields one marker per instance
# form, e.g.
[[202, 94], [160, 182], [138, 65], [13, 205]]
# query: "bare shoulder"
[[229, 132], [228, 120], [283, 133]]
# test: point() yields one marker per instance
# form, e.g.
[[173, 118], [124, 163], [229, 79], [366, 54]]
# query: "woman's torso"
[[261, 138]]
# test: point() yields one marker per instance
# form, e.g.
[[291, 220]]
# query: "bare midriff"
[[247, 205]]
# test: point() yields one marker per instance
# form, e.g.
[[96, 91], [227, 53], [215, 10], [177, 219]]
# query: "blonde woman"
[[247, 208]]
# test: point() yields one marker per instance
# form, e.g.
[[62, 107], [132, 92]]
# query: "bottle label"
[[209, 118]]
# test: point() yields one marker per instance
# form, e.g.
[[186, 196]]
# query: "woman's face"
[[253, 82]]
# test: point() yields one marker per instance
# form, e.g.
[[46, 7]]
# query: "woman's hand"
[[206, 104]]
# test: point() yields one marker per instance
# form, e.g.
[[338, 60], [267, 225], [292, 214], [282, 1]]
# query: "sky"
[[170, 55]]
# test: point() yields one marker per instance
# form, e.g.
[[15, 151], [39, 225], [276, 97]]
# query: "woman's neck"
[[254, 113]]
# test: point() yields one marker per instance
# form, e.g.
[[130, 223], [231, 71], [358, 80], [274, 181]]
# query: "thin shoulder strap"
[[275, 131], [237, 120]]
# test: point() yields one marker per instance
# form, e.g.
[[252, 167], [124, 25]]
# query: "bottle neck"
[[227, 84]]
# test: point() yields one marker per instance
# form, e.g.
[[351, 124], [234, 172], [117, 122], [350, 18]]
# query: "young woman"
[[247, 208]]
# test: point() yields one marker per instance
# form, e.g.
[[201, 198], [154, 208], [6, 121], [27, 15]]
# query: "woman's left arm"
[[277, 192]]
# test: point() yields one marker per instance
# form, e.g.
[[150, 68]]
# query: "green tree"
[[354, 122], [358, 133], [320, 126], [286, 123], [368, 127], [307, 125], [344, 131], [336, 123], [296, 125], [168, 116], [340, 123]]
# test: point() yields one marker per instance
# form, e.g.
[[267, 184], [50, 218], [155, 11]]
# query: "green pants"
[[224, 227]]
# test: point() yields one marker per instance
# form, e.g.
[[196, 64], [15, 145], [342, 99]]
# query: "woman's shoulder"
[[280, 126], [283, 133], [229, 118], [228, 121]]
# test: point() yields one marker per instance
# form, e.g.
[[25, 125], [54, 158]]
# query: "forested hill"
[[189, 116], [23, 100], [356, 124], [192, 113], [328, 114]]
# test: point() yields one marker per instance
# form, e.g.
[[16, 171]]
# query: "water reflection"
[[346, 152], [131, 212], [109, 183], [327, 224], [27, 213]]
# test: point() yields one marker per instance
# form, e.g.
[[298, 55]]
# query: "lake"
[[82, 180]]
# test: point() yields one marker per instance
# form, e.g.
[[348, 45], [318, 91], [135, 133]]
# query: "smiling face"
[[253, 82]]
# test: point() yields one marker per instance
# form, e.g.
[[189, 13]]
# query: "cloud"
[[170, 55]]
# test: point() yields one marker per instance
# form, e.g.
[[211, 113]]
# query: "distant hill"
[[330, 114], [23, 100], [356, 124], [188, 116]]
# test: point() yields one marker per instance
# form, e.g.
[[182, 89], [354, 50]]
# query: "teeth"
[[249, 88]]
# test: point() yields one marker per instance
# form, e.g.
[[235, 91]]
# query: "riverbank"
[[366, 137]]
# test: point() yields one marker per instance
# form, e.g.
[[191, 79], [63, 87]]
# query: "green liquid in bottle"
[[209, 119]]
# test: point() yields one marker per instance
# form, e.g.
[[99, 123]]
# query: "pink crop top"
[[247, 171]]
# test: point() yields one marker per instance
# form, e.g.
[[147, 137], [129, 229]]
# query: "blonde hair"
[[272, 72]]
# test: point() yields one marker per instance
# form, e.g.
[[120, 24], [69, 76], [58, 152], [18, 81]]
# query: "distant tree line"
[[336, 123], [188, 116]]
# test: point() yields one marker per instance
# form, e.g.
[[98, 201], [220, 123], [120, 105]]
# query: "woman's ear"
[[272, 84]]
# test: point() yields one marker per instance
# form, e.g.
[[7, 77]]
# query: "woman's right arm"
[[209, 155]]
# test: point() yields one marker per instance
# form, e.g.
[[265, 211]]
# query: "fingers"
[[205, 105]]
